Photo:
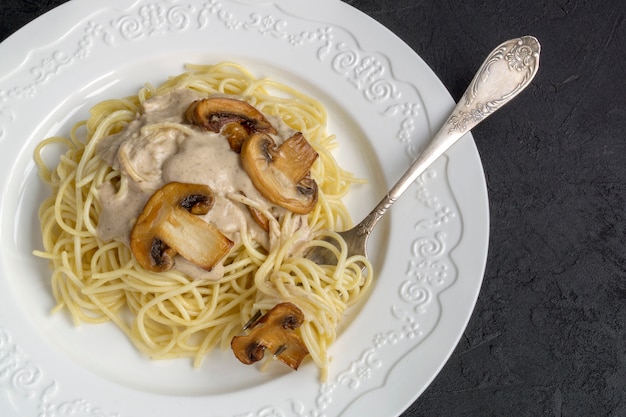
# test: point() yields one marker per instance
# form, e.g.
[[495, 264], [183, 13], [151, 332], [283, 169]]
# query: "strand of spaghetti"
[[145, 307], [274, 226], [167, 125], [44, 172], [104, 128], [317, 348], [88, 214]]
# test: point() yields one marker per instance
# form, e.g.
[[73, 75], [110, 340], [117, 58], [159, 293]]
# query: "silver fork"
[[507, 71]]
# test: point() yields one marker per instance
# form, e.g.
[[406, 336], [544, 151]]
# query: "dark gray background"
[[548, 336]]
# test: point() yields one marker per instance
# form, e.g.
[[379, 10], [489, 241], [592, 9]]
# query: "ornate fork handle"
[[505, 73]]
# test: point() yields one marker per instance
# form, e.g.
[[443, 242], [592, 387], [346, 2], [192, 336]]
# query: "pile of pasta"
[[168, 314]]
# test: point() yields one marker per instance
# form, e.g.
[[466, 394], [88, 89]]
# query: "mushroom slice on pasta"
[[282, 173], [274, 331], [236, 119], [169, 225]]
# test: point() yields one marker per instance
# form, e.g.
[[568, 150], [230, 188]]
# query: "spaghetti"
[[172, 314]]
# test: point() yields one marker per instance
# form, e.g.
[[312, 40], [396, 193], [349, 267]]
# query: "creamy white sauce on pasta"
[[159, 147]]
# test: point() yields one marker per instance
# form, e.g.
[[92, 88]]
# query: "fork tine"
[[252, 320], [280, 350]]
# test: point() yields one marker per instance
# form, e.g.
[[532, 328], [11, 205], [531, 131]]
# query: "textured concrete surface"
[[548, 336]]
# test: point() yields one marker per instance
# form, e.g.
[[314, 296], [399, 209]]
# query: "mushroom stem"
[[169, 225], [295, 157], [194, 239]]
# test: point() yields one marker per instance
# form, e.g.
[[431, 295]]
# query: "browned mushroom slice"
[[274, 331], [236, 134], [169, 225], [238, 118], [259, 218], [281, 173]]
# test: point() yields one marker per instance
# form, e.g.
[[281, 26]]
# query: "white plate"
[[384, 103]]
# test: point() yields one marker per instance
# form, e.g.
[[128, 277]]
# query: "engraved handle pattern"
[[507, 71]]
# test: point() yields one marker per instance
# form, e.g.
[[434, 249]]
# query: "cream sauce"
[[158, 147]]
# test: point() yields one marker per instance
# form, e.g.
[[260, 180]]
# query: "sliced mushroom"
[[169, 225], [259, 218], [236, 134], [282, 173], [274, 331], [238, 118]]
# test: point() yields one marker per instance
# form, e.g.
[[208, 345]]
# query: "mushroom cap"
[[235, 118]]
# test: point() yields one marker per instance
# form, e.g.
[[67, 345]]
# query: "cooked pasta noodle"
[[170, 314]]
